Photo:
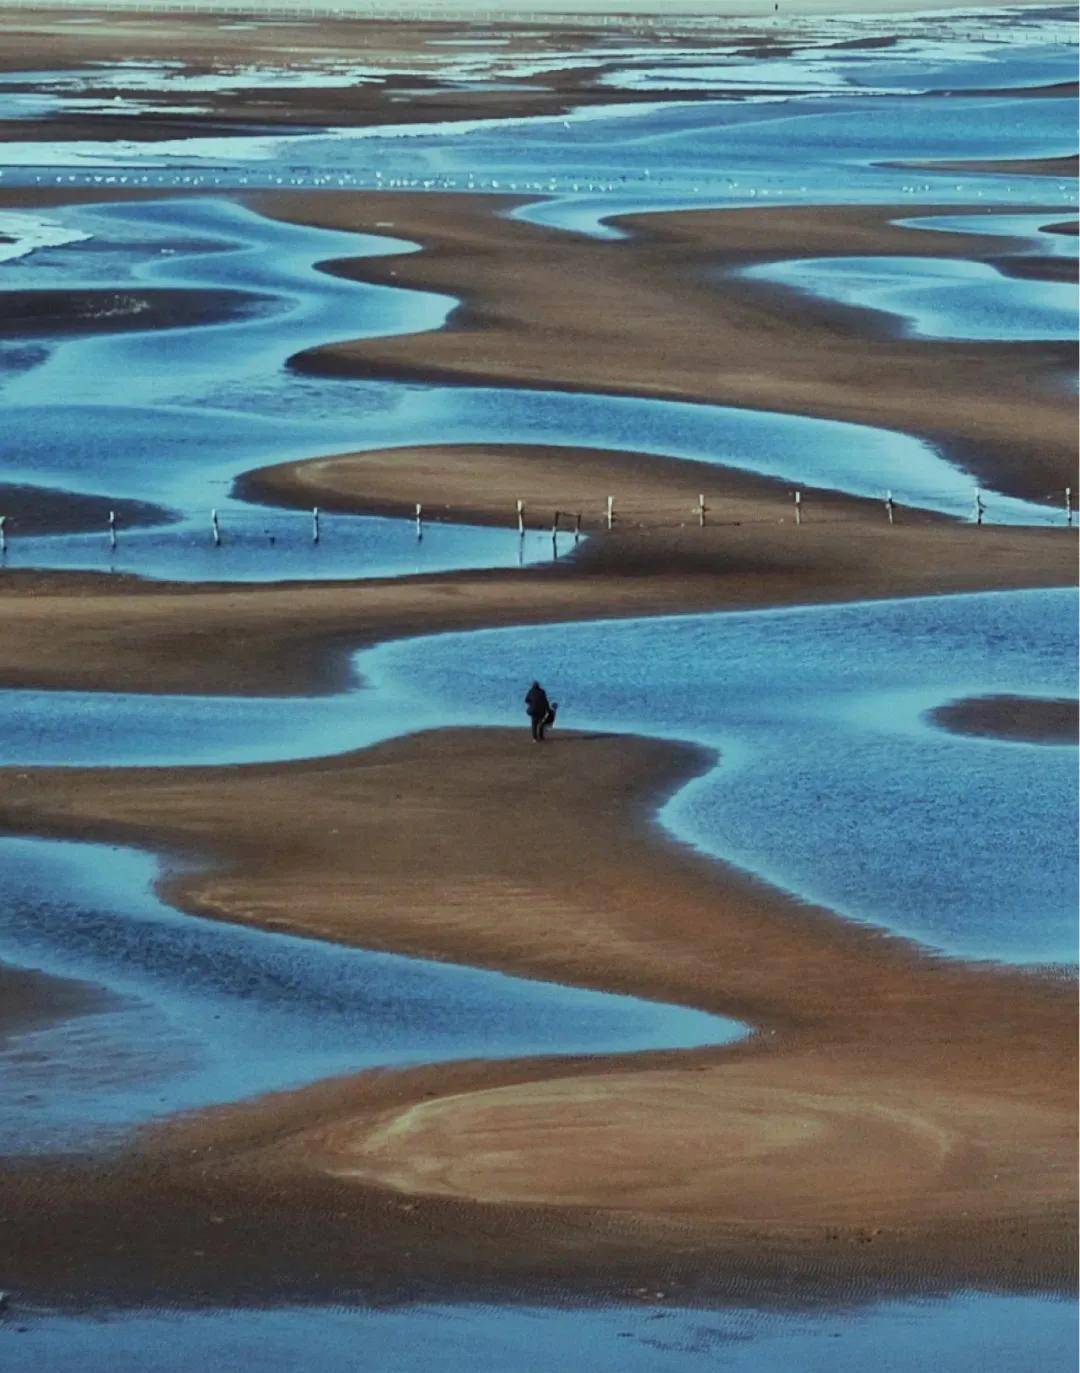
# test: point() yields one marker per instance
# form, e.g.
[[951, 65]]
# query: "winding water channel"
[[817, 714]]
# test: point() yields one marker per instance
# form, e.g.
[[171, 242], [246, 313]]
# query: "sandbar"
[[1019, 719]]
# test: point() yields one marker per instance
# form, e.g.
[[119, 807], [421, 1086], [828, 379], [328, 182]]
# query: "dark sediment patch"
[[1035, 268], [1010, 166], [40, 510], [99, 311], [1015, 719], [1071, 227], [32, 1000], [864, 44], [144, 127], [1056, 90]]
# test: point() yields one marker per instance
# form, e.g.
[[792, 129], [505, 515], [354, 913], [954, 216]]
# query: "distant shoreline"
[[522, 11]]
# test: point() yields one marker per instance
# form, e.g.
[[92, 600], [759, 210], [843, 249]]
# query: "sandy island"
[[1018, 719]]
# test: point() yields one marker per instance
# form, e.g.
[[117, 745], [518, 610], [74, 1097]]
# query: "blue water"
[[958, 1334], [265, 545], [936, 297], [1030, 232], [188, 992], [832, 784]]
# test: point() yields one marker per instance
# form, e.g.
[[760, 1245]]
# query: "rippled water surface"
[[831, 782], [994, 1334], [199, 405]]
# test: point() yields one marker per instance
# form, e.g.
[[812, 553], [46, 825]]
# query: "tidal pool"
[[262, 544], [201, 405]]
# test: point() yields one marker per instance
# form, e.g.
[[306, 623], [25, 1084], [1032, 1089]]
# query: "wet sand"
[[1015, 166], [41, 510], [481, 484], [663, 314], [896, 1119], [31, 1000], [28, 314], [1018, 719], [410, 56]]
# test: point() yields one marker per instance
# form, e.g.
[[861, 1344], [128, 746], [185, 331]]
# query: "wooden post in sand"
[[610, 511], [1068, 506], [112, 528], [701, 510], [577, 526], [555, 530], [890, 507], [315, 525], [215, 528], [798, 507], [979, 508], [419, 520], [521, 519]]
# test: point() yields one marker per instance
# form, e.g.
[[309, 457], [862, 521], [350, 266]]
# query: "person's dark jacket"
[[536, 702]]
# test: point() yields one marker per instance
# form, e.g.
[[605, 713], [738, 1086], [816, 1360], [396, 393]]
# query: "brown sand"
[[1016, 718], [481, 484], [894, 1114], [661, 314]]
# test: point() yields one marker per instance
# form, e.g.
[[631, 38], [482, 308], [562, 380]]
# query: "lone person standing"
[[538, 708]]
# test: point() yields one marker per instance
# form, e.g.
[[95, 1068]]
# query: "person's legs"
[[537, 728]]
